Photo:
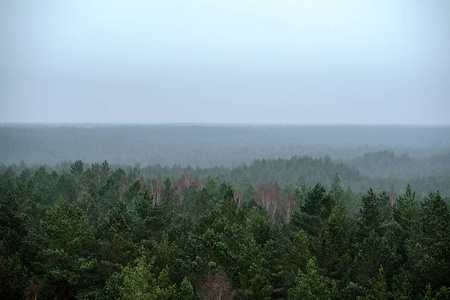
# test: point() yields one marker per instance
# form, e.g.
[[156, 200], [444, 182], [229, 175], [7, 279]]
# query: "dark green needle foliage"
[[100, 231]]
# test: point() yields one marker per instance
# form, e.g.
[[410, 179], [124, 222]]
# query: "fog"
[[246, 62]]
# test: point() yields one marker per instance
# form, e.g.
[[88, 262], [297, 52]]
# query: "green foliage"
[[185, 291], [379, 290], [406, 211], [368, 259], [312, 284], [370, 215], [132, 191], [75, 234], [353, 291], [313, 213], [67, 251], [436, 240], [115, 240], [141, 283], [299, 251], [254, 276], [76, 168], [335, 253]]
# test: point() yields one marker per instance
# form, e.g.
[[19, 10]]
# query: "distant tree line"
[[381, 170], [229, 146]]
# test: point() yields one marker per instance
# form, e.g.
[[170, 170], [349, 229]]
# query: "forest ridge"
[[210, 145], [380, 157]]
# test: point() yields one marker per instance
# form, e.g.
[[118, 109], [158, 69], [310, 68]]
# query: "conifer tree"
[[140, 282], [312, 285], [67, 251]]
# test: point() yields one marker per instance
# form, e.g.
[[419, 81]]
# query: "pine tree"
[[115, 238], [313, 213], [140, 282], [370, 215], [312, 285], [436, 240], [335, 254], [67, 250]]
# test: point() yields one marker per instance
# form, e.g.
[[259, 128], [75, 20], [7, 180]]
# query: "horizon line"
[[219, 124]]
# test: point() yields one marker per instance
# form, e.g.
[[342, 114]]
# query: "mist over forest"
[[224, 212], [382, 157], [211, 145], [161, 150]]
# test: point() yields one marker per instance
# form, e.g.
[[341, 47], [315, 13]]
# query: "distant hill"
[[210, 145]]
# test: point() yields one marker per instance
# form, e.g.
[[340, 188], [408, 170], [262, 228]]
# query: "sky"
[[246, 62]]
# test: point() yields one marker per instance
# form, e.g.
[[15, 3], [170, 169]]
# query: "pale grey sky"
[[257, 61]]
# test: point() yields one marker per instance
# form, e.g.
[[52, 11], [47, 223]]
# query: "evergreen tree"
[[141, 283], [406, 212], [313, 213], [76, 168], [335, 253], [13, 230], [115, 239], [312, 284], [67, 252], [379, 290], [185, 291], [370, 216], [436, 240]]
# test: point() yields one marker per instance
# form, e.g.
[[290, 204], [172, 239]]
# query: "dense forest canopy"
[[270, 212], [95, 231], [381, 157]]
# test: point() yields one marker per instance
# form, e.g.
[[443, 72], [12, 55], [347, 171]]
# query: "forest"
[[278, 213]]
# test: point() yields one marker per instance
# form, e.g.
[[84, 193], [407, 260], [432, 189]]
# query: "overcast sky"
[[277, 62]]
